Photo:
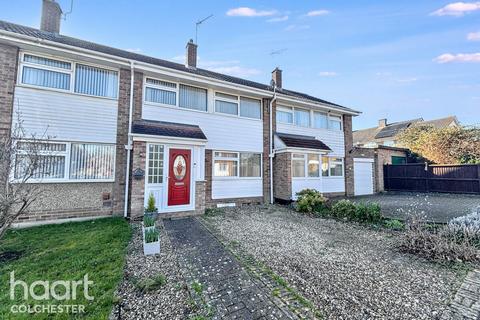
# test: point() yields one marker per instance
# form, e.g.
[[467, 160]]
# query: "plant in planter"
[[151, 242], [148, 223], [151, 209]]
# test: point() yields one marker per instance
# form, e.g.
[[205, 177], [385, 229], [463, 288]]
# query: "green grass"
[[66, 252]]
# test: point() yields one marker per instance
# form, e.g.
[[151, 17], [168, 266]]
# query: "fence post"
[[385, 177], [426, 177], [478, 177]]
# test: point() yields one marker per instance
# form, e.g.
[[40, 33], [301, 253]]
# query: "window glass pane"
[[39, 167], [193, 98], [313, 165], [155, 163], [51, 147], [336, 167], [96, 81], [91, 161], [302, 118], [226, 107], [225, 168], [46, 78], [284, 117], [250, 108], [298, 168], [226, 155], [325, 166], [335, 123], [162, 83], [160, 96], [226, 96], [250, 164], [47, 62], [320, 120]]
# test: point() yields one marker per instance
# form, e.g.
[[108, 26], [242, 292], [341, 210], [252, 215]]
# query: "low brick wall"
[[282, 176], [70, 200]]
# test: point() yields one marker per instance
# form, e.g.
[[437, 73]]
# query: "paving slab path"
[[466, 304], [212, 272]]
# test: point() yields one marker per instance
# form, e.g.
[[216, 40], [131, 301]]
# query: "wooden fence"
[[417, 177]]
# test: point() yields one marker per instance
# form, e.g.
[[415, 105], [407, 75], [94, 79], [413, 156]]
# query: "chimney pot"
[[382, 123], [191, 58], [51, 15], [277, 77]]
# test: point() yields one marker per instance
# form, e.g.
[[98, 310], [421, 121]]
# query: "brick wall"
[[266, 147], [347, 129], [139, 155], [137, 96], [384, 156], [282, 176], [8, 74]]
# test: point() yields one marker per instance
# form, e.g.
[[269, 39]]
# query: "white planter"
[[144, 229], [151, 248]]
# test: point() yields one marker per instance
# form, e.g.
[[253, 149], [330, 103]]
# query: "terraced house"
[[123, 126]]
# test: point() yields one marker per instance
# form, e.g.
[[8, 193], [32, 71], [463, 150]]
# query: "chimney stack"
[[51, 15], [191, 58], [382, 123], [277, 77]]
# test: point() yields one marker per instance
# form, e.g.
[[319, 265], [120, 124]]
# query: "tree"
[[20, 158], [450, 145]]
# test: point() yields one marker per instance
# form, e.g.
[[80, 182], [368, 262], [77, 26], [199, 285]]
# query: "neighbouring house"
[[386, 134], [124, 126]]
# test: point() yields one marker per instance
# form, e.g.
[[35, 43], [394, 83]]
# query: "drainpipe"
[[128, 147], [271, 154]]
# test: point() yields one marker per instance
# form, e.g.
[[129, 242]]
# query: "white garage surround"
[[363, 176]]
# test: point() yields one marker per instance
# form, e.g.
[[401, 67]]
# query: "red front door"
[[179, 177]]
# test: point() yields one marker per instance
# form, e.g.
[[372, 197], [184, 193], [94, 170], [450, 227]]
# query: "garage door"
[[363, 176]]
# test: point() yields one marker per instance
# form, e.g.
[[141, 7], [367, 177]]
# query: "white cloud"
[[249, 12], [316, 13], [459, 57], [135, 50], [236, 71], [294, 27], [327, 74], [278, 19], [406, 80], [473, 36], [457, 9]]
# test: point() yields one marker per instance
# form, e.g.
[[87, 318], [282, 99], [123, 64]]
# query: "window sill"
[[235, 178], [54, 181]]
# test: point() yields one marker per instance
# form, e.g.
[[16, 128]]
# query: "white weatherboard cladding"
[[363, 176], [65, 116], [332, 138], [237, 188], [223, 132], [323, 184]]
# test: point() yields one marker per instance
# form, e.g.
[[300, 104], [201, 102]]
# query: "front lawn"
[[65, 252]]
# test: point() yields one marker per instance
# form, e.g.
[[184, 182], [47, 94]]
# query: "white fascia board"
[[168, 140], [289, 101], [300, 150]]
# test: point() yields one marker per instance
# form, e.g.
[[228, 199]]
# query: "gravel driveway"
[[347, 270], [438, 207]]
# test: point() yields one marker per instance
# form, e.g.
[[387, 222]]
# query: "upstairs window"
[[335, 122], [320, 120], [285, 115], [250, 108], [44, 72], [238, 106], [226, 103], [162, 92], [192, 98], [96, 81], [302, 117]]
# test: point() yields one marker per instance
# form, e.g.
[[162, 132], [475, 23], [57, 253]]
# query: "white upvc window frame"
[[305, 164], [72, 71], [309, 117], [154, 86], [291, 110], [329, 166], [237, 160], [238, 101], [67, 154]]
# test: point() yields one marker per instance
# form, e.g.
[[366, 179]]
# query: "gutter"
[[128, 147], [271, 153]]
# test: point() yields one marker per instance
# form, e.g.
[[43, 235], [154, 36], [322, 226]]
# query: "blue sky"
[[393, 59]]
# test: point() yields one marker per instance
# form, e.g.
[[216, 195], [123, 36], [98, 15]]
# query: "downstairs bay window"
[[64, 162], [332, 167], [305, 165], [237, 164]]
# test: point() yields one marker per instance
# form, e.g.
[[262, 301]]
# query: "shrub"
[[151, 283], [310, 200], [344, 209], [438, 243], [151, 204], [151, 236], [467, 226], [211, 212], [148, 221], [394, 224], [374, 213]]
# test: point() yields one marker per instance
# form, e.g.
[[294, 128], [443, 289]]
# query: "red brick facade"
[[282, 176], [347, 129]]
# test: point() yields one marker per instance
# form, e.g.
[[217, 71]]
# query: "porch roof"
[[301, 142], [167, 129]]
